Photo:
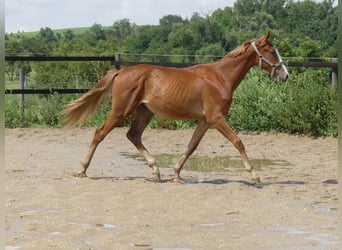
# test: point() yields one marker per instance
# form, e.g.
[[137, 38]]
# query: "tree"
[[274, 8], [260, 22], [209, 53], [223, 17], [13, 47], [122, 28], [243, 8], [180, 37], [47, 35], [170, 20], [165, 25], [303, 17], [329, 23], [310, 48], [94, 34], [69, 34], [47, 40]]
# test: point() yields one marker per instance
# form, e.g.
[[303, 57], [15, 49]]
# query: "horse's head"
[[269, 58]]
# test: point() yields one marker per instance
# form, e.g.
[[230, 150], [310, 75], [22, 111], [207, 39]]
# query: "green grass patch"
[[75, 30]]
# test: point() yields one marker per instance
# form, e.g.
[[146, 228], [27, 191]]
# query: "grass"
[[76, 30], [14, 84]]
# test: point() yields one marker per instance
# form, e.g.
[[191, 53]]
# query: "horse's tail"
[[78, 111]]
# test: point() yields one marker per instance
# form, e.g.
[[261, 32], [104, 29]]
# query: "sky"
[[31, 15]]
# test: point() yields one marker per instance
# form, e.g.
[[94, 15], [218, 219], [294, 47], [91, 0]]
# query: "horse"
[[202, 92]]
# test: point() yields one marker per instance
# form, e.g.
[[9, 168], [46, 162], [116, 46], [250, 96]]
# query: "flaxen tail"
[[78, 111]]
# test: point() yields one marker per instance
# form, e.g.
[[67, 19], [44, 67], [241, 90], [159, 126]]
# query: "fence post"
[[117, 58], [22, 87], [334, 75]]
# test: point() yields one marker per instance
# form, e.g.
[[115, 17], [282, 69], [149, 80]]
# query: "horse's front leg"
[[195, 140], [222, 126]]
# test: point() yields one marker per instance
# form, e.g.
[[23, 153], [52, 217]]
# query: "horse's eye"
[[273, 53]]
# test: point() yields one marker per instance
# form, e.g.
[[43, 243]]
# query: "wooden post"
[[334, 75], [22, 87], [117, 58], [76, 83]]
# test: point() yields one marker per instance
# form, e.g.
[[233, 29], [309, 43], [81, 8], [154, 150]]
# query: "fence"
[[117, 63]]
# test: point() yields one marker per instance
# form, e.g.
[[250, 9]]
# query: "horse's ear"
[[267, 35], [265, 38]]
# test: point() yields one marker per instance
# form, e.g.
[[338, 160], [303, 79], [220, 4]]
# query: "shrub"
[[306, 104]]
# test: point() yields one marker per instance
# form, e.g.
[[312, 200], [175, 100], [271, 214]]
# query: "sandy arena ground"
[[119, 206]]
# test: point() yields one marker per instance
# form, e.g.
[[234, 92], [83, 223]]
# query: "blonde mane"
[[240, 49]]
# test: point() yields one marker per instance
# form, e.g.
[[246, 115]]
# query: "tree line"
[[300, 29]]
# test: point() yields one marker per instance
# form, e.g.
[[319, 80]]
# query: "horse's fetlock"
[[152, 163]]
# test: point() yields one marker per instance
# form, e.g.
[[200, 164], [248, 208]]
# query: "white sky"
[[31, 15]]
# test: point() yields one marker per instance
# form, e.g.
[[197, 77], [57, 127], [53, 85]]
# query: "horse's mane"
[[240, 49]]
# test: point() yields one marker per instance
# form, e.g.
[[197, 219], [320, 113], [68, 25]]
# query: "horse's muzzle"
[[282, 74], [282, 78]]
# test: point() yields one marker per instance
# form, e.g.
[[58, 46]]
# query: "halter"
[[263, 59]]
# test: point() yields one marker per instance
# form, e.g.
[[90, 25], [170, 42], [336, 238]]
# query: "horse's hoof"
[[156, 176], [178, 181], [156, 179], [156, 173], [80, 175], [256, 180]]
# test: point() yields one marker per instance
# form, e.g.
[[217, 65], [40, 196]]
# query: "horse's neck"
[[234, 69]]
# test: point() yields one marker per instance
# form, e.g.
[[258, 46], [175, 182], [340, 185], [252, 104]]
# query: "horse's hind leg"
[[100, 133], [143, 117]]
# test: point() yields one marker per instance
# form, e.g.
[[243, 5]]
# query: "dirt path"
[[119, 207]]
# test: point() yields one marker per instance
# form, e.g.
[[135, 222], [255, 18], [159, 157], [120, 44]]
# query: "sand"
[[120, 206]]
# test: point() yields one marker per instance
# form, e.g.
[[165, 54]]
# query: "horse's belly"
[[175, 111]]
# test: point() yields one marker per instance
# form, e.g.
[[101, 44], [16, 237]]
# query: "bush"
[[39, 110], [12, 112], [306, 104]]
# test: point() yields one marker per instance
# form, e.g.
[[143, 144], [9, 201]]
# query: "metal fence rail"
[[118, 63]]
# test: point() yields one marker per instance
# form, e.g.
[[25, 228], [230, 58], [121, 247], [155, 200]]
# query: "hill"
[[75, 30]]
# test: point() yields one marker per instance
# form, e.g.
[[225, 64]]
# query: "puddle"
[[322, 207], [12, 247], [144, 245], [89, 243], [105, 225], [139, 245], [212, 224], [55, 233], [315, 237], [210, 164], [40, 210], [171, 248], [321, 238]]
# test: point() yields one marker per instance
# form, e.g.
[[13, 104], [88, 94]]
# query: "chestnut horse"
[[201, 92]]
